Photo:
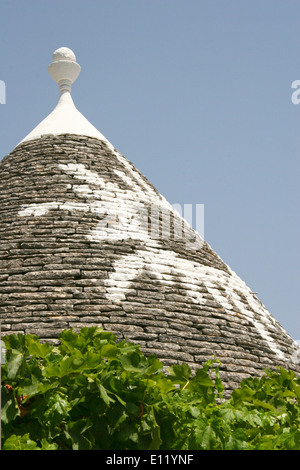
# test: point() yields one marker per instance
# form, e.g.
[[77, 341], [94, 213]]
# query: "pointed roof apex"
[[65, 118]]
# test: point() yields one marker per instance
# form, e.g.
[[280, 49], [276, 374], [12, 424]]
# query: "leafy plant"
[[92, 392]]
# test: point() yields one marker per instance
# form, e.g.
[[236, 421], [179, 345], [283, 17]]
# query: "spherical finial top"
[[64, 68], [63, 53]]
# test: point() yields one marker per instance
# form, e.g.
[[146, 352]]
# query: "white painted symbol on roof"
[[105, 199]]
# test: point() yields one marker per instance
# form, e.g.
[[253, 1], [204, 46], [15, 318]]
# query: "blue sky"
[[197, 94]]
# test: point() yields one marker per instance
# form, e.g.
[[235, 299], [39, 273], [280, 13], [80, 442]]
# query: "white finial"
[[64, 69], [65, 118]]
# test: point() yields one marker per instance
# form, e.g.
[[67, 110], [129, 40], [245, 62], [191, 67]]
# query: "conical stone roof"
[[87, 240]]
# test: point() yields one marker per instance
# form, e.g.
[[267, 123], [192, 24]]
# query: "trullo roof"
[[87, 240]]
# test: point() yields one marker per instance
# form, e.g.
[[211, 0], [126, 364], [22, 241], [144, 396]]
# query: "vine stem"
[[186, 384]]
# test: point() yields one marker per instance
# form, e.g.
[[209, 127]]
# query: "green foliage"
[[92, 392]]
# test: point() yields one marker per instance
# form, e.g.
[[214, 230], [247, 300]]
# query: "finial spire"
[[65, 118], [64, 69]]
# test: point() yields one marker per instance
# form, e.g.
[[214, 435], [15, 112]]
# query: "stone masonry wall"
[[77, 249]]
